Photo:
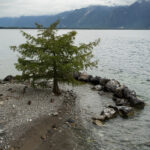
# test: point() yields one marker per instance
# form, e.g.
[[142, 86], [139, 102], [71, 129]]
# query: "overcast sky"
[[17, 8]]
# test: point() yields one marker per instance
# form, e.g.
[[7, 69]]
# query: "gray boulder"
[[121, 101], [132, 99], [8, 78], [76, 75], [127, 93], [118, 92], [125, 111], [109, 113], [103, 81], [135, 102], [84, 77], [95, 80], [112, 85]]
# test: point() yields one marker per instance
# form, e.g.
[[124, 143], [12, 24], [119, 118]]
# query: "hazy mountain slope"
[[134, 16]]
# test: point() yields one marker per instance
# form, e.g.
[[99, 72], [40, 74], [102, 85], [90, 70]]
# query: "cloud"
[[15, 8]]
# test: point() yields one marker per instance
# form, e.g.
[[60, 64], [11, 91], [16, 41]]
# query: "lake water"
[[123, 55]]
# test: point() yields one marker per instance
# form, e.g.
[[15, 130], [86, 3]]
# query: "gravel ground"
[[18, 109]]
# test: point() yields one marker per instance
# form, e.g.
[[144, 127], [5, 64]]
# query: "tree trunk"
[[56, 90]]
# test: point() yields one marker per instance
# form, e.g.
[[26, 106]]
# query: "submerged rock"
[[125, 111], [98, 123], [135, 102], [101, 118]]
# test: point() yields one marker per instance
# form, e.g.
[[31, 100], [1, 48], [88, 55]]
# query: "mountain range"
[[135, 16]]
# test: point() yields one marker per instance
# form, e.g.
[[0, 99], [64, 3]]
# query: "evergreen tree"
[[52, 56]]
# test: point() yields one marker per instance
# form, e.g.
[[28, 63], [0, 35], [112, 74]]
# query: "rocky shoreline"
[[126, 100], [31, 118], [26, 112], [37, 119]]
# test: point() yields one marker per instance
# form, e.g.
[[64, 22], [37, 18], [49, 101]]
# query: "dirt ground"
[[36, 120], [53, 133]]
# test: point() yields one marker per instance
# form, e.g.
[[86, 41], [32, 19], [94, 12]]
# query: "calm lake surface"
[[123, 55]]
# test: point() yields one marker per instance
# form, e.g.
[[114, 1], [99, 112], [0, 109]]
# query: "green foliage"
[[52, 56]]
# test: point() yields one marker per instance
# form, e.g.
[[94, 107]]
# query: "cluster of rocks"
[[124, 98], [7, 79], [122, 95], [111, 112]]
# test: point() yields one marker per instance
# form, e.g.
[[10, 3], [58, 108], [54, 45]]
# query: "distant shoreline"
[[76, 28]]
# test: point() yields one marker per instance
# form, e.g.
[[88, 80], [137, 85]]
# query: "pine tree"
[[52, 56]]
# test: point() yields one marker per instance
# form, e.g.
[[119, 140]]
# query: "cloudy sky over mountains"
[[16, 8]]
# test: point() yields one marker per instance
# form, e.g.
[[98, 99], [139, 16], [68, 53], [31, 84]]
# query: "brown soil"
[[50, 133]]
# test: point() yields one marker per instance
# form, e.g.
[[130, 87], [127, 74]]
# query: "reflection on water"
[[123, 55]]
